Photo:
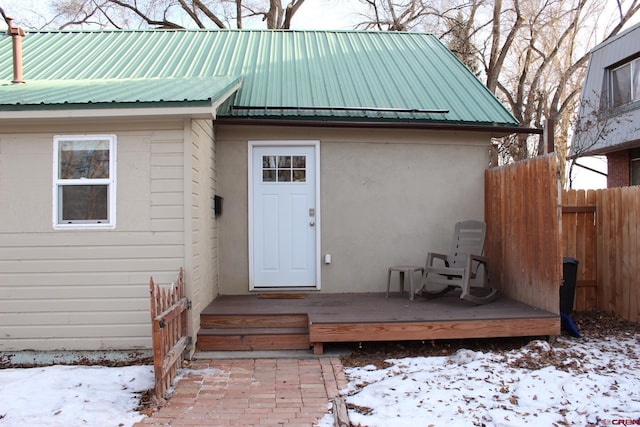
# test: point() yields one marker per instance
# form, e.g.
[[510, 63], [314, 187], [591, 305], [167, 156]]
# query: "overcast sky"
[[314, 14]]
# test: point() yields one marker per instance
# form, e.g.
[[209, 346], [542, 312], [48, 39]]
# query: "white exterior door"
[[283, 215]]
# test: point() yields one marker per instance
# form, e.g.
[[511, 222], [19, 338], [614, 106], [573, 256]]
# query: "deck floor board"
[[375, 308], [358, 317]]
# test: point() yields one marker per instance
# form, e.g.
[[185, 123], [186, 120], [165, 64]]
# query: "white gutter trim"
[[203, 112], [224, 97]]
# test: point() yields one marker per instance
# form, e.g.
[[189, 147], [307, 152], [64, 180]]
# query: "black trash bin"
[[568, 288]]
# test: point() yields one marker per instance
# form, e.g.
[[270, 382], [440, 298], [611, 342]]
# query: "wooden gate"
[[169, 331], [601, 228], [579, 242]]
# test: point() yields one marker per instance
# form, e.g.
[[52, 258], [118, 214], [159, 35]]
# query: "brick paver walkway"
[[253, 392]]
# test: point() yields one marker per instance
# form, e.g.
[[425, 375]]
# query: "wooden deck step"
[[244, 339], [208, 321], [253, 331]]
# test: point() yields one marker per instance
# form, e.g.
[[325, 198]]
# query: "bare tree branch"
[[392, 16], [274, 14], [191, 12], [292, 8], [153, 22], [209, 14], [100, 7], [499, 53], [239, 13], [173, 13]]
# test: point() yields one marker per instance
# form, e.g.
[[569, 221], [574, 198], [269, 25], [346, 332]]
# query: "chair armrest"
[[433, 255], [480, 260]]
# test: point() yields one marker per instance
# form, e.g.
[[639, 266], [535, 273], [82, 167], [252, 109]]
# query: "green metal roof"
[[102, 92], [323, 75]]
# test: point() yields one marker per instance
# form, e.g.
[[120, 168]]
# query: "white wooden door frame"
[[284, 143]]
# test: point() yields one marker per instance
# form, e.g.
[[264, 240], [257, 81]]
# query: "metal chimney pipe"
[[16, 34]]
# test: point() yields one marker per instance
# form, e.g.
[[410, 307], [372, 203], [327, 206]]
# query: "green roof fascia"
[[351, 117], [117, 93], [361, 120]]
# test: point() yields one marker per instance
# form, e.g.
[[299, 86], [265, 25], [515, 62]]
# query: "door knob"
[[312, 223]]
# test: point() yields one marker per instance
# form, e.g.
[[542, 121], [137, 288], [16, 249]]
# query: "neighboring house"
[[364, 146], [609, 117]]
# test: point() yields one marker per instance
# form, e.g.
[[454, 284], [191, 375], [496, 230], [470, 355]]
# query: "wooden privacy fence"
[[579, 242], [522, 211], [169, 331], [601, 228]]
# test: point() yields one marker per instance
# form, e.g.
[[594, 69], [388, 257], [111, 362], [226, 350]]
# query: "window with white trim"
[[284, 169], [625, 83], [84, 181]]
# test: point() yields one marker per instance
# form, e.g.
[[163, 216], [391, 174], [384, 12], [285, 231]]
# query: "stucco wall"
[[387, 197], [83, 289]]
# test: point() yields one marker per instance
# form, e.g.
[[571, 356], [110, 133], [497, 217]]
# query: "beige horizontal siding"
[[80, 332], [84, 289], [166, 185], [160, 200], [27, 289], [140, 342], [96, 239], [167, 212], [79, 279], [204, 269], [37, 305], [108, 331], [72, 318], [79, 253]]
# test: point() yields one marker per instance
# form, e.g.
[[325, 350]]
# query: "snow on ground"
[[575, 382], [572, 383], [72, 396]]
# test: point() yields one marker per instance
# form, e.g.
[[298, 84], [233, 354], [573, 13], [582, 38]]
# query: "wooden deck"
[[370, 317]]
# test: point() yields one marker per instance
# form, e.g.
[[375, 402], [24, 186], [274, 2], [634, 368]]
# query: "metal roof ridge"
[[133, 79], [228, 30], [624, 33]]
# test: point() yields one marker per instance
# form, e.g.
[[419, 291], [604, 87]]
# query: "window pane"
[[268, 162], [299, 162], [621, 85], [284, 176], [636, 80], [84, 202], [84, 159], [268, 175], [284, 162], [299, 175]]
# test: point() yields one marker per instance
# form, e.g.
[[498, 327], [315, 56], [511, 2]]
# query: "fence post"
[[548, 136]]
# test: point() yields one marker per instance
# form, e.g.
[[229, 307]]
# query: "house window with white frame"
[[625, 83], [84, 181]]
